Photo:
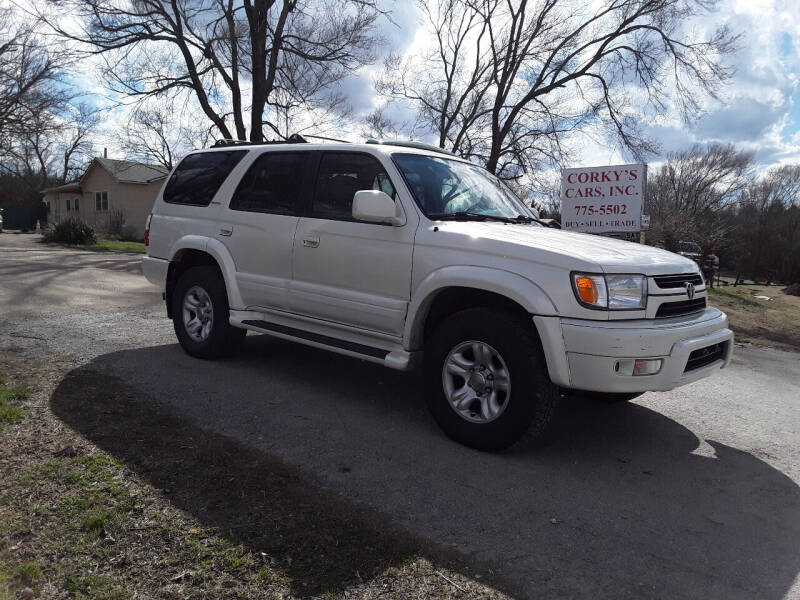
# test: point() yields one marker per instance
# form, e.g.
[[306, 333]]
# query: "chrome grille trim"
[[680, 308], [669, 282]]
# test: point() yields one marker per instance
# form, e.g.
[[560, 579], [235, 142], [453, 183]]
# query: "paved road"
[[687, 494]]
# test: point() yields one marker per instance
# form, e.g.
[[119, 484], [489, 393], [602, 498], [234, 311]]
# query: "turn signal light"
[[587, 289]]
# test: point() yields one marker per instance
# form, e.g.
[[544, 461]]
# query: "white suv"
[[403, 255]]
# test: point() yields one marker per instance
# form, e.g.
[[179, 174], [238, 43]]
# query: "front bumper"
[[599, 355]]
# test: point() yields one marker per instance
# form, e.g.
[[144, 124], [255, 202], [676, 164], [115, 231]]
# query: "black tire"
[[532, 399], [223, 339], [611, 397]]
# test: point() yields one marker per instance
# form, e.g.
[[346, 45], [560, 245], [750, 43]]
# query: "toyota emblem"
[[689, 286]]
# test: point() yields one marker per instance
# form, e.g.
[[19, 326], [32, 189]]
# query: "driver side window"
[[340, 176]]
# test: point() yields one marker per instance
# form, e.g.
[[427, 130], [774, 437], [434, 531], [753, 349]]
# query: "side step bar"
[[394, 359], [319, 338]]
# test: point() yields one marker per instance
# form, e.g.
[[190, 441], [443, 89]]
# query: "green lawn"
[[9, 412], [116, 246]]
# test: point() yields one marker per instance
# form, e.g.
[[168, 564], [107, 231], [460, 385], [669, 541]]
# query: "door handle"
[[311, 242], [226, 231]]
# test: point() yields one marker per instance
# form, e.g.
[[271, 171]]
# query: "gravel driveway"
[[686, 494]]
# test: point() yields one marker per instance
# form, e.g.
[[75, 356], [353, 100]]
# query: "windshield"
[[445, 188], [689, 247]]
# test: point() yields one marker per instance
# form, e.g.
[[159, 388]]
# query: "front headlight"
[[610, 292], [626, 292]]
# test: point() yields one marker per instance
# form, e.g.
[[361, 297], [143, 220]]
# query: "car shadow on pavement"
[[616, 502]]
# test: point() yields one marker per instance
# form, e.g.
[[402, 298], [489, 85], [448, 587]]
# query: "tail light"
[[147, 230]]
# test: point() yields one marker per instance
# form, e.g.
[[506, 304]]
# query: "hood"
[[608, 254]]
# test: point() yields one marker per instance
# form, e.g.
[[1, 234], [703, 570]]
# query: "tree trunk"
[[257, 13]]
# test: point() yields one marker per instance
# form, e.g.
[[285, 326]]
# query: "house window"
[[75, 204], [68, 208], [101, 201]]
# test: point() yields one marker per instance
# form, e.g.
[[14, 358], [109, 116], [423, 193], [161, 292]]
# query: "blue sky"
[[788, 49]]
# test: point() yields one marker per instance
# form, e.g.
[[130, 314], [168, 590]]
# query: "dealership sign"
[[603, 199]]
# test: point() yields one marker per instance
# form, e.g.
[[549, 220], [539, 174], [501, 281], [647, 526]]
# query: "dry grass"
[[105, 496], [774, 322]]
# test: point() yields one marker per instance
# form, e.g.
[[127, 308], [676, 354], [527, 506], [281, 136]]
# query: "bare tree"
[[29, 98], [379, 125], [45, 136], [53, 147], [287, 52], [767, 241], [686, 198], [28, 70], [547, 195], [506, 79], [448, 83], [161, 132], [77, 129]]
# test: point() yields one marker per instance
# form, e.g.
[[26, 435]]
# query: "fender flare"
[[513, 286], [221, 255]]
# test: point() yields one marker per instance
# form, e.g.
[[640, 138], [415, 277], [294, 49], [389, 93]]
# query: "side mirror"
[[377, 207]]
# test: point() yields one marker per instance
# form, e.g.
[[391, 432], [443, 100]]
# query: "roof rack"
[[328, 139], [295, 138], [410, 144]]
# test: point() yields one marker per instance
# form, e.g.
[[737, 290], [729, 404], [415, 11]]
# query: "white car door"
[[346, 271], [258, 226]]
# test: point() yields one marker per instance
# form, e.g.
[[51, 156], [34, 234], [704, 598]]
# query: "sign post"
[[603, 199]]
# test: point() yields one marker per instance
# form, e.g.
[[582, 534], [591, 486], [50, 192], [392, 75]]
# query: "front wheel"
[[486, 379], [200, 314]]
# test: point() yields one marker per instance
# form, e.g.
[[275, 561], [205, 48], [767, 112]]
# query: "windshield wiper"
[[463, 215], [526, 219]]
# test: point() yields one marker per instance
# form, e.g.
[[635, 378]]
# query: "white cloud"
[[760, 108]]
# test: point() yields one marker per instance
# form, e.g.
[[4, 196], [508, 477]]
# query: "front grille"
[[666, 282], [684, 307], [705, 356]]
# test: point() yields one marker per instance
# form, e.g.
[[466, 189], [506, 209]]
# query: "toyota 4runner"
[[404, 255]]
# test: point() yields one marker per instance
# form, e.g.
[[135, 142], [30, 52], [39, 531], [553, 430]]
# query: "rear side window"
[[340, 176], [273, 184], [199, 176]]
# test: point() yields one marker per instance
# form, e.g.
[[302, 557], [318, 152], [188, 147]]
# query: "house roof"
[[67, 187], [127, 171], [124, 171]]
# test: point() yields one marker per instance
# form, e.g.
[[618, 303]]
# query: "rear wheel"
[[200, 314], [486, 379]]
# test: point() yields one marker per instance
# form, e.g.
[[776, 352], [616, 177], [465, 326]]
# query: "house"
[[108, 191]]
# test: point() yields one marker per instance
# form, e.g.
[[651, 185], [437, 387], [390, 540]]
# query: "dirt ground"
[[755, 320]]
